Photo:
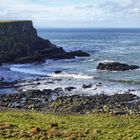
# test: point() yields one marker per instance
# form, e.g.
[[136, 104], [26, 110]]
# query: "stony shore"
[[56, 101]]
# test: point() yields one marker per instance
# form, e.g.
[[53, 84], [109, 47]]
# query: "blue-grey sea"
[[121, 45]]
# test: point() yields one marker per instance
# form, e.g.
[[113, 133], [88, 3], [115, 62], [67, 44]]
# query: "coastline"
[[34, 92], [38, 95], [73, 79], [71, 94]]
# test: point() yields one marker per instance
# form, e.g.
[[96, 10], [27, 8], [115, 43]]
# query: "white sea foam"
[[27, 71], [106, 61], [63, 74], [68, 75]]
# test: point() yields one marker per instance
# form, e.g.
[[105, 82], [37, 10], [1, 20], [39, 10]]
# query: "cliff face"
[[19, 42], [16, 32]]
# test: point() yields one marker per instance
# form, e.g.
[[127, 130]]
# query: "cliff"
[[19, 43], [17, 31]]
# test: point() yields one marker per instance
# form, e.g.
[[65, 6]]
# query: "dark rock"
[[70, 88], [38, 83], [118, 104], [87, 86], [98, 84], [58, 90], [1, 79], [116, 66], [120, 113], [122, 97], [57, 72], [57, 79], [78, 53], [7, 84], [29, 59]]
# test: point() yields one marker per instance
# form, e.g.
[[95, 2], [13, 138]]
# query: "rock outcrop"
[[56, 102], [19, 43], [116, 66]]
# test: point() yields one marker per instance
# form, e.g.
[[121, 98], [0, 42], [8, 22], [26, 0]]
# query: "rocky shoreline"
[[19, 43], [37, 95], [56, 101]]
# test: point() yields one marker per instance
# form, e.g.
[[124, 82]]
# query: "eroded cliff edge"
[[19, 43]]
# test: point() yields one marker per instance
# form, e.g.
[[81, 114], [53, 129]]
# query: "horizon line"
[[87, 27]]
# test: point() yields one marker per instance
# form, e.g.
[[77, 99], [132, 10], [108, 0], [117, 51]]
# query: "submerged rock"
[[19, 43], [78, 53], [70, 88], [116, 66], [87, 86], [58, 71], [7, 84]]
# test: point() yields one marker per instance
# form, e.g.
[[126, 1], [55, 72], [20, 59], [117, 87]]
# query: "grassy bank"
[[27, 125]]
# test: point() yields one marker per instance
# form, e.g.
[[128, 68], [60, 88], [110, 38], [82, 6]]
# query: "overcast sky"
[[73, 13]]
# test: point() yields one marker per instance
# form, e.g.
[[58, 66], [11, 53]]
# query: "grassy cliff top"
[[85, 127], [13, 21]]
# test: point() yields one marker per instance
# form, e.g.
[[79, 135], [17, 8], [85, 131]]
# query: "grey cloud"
[[112, 11]]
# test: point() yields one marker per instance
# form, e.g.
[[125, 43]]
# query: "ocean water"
[[121, 45]]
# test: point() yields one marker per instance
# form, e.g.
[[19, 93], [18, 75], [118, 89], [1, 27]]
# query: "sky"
[[73, 13]]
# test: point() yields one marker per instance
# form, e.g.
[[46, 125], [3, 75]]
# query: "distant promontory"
[[19, 43]]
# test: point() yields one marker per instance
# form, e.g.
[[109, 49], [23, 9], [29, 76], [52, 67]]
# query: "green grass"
[[83, 127], [9, 21]]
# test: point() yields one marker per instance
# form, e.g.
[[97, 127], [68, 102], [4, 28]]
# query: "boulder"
[[57, 71], [87, 86], [116, 66], [70, 88], [78, 53]]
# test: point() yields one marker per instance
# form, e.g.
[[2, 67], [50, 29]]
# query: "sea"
[[103, 45]]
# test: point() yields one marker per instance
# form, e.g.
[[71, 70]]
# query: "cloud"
[[70, 13]]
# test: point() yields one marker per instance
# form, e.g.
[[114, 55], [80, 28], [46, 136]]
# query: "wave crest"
[[68, 75]]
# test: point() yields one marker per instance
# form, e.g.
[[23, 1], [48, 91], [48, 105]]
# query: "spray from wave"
[[68, 75]]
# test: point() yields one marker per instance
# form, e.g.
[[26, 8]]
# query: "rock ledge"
[[116, 66]]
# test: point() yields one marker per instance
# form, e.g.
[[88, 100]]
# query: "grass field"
[[31, 125], [9, 21]]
